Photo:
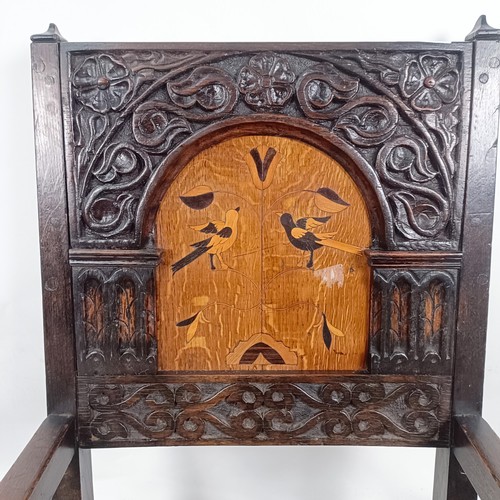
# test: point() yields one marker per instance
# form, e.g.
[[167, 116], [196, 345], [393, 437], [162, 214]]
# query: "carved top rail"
[[397, 114]]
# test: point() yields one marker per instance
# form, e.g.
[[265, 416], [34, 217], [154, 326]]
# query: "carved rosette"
[[343, 410], [102, 83], [266, 82], [413, 321], [115, 320], [398, 111]]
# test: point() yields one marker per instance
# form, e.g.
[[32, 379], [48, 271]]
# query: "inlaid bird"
[[301, 236], [224, 235]]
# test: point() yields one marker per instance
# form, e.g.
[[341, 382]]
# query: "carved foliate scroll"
[[399, 111], [340, 410]]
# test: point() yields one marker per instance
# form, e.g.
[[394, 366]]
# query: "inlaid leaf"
[[328, 331], [263, 165], [327, 336], [193, 322], [198, 198], [333, 330], [328, 200], [262, 162], [188, 321], [193, 327]]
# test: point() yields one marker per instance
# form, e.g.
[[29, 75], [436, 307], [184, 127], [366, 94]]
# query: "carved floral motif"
[[102, 83], [429, 82], [109, 208], [155, 128], [368, 121], [267, 81]]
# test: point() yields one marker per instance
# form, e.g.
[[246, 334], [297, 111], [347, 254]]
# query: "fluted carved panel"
[[413, 321], [398, 110], [115, 320], [353, 409]]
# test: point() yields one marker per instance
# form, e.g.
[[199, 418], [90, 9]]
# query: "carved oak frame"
[[412, 125]]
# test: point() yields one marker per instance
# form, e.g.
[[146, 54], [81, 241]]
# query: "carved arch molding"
[[396, 115]]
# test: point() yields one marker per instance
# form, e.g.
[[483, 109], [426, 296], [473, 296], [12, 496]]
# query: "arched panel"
[[263, 264], [126, 314], [329, 143], [400, 319], [93, 312]]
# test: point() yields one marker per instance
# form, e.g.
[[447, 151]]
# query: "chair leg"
[[77, 482], [450, 482]]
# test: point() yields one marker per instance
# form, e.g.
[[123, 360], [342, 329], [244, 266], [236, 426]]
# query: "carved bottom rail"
[[258, 409]]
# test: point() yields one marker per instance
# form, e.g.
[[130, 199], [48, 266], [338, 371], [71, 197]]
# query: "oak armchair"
[[264, 244]]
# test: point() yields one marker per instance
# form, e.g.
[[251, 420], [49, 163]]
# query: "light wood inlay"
[[300, 309]]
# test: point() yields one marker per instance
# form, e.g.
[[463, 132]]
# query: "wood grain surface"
[[264, 249], [54, 239], [266, 407], [39, 469], [477, 449], [263, 264]]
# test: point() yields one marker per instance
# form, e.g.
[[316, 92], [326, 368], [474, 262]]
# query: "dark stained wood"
[[476, 248], [52, 208], [477, 230], [413, 259], [54, 242], [412, 319], [115, 315], [397, 118], [113, 257], [270, 408], [115, 310], [120, 209], [477, 449], [483, 31], [43, 462], [50, 36], [450, 481], [77, 481]]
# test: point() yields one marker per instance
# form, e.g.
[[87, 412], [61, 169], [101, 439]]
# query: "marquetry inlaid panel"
[[263, 263]]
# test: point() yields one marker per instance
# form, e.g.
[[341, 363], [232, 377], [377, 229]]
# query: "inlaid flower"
[[266, 81], [102, 83], [429, 82]]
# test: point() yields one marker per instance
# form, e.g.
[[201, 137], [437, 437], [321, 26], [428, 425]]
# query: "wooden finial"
[[483, 31], [50, 36]]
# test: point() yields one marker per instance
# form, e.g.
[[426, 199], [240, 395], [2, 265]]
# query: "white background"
[[306, 473]]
